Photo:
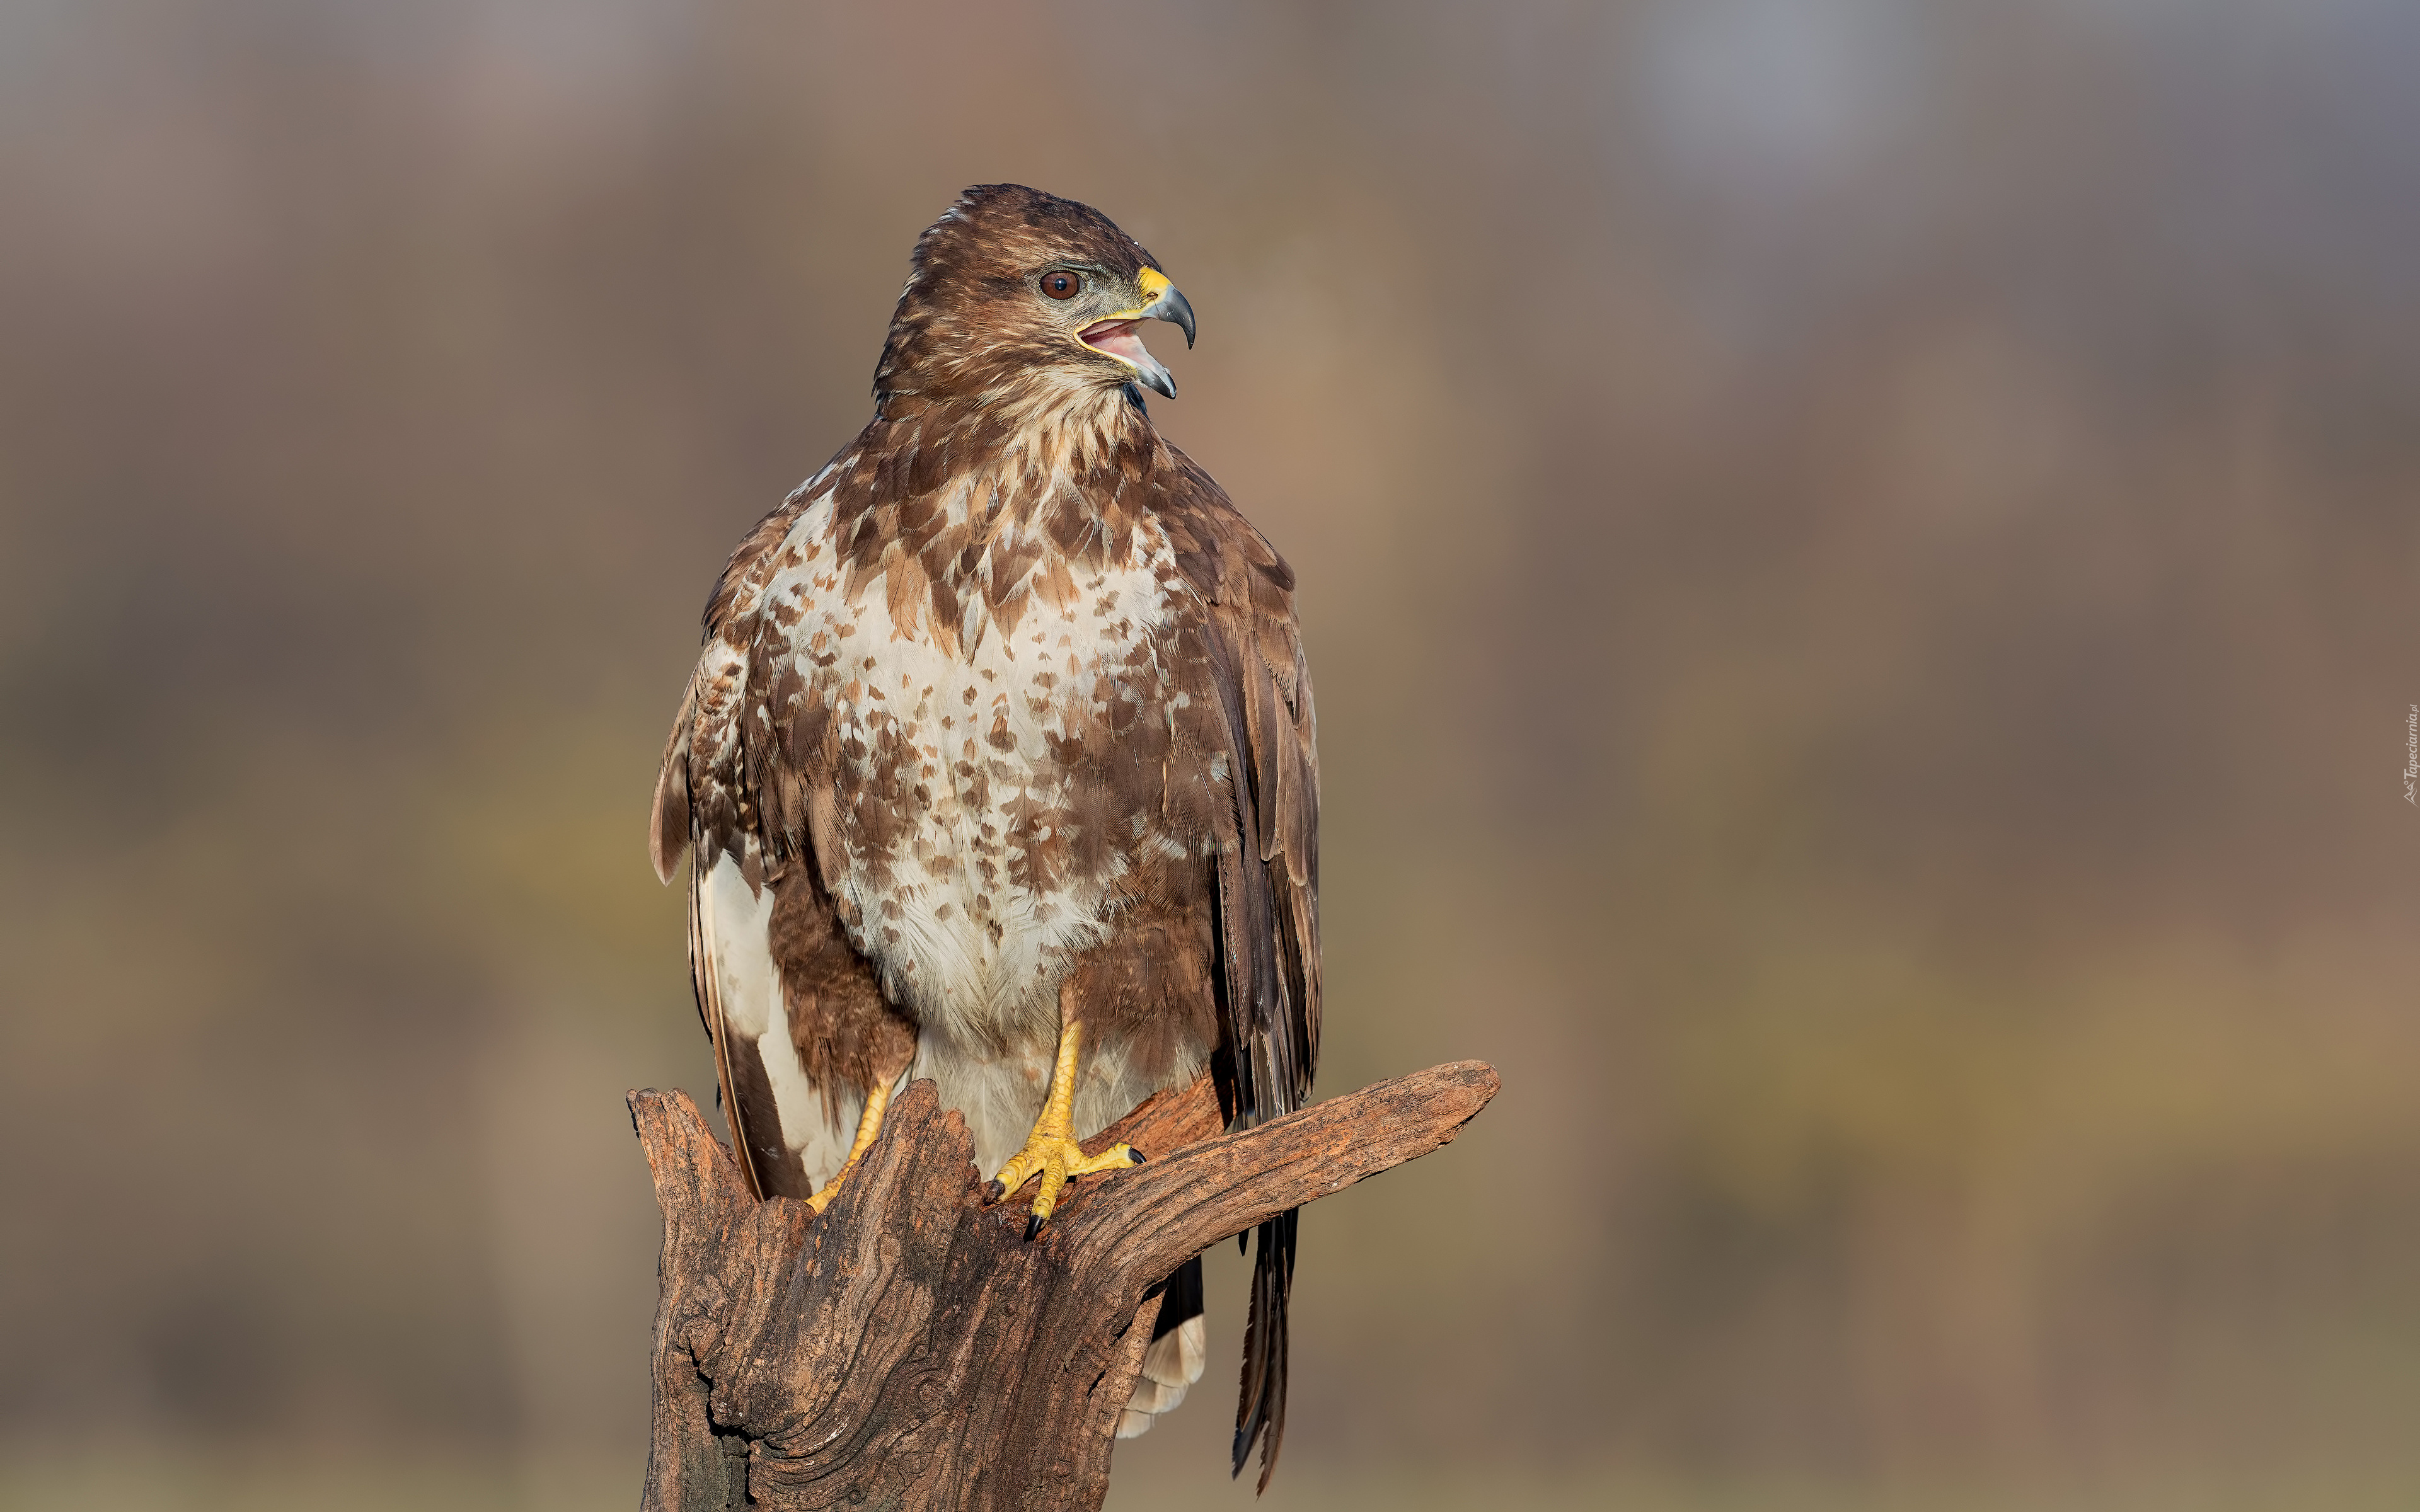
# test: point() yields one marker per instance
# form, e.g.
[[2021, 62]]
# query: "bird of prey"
[[998, 765]]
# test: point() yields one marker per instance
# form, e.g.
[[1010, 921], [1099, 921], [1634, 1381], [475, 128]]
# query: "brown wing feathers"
[[668, 819], [703, 798], [1267, 888]]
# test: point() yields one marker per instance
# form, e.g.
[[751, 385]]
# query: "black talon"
[[993, 1191], [1136, 1155], [1033, 1226]]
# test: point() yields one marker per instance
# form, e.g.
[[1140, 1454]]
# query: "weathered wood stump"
[[909, 1347]]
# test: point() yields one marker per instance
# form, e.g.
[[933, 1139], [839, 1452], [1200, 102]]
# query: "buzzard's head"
[[1012, 289]]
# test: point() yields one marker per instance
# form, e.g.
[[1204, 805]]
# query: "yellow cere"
[[1152, 283]]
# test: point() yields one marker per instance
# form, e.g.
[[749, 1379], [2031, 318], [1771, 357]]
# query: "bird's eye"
[[1062, 285]]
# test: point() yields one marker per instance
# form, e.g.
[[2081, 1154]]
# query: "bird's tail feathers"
[[1180, 1349], [1261, 1402]]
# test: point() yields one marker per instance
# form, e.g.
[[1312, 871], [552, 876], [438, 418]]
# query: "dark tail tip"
[[1260, 1405]]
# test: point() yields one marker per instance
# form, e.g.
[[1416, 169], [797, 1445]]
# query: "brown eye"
[[1062, 285]]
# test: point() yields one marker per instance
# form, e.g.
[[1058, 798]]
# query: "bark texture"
[[909, 1347]]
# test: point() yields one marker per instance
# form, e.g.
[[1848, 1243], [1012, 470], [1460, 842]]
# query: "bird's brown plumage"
[[1009, 695]]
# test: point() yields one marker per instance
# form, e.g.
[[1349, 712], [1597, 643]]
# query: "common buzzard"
[[998, 764]]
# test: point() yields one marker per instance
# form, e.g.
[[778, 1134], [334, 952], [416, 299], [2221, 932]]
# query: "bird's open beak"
[[1116, 335]]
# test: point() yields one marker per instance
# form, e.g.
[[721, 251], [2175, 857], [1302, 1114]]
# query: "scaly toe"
[[1055, 1159], [1115, 1158], [821, 1196]]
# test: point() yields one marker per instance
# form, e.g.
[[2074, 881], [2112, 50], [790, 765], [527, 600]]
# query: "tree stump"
[[910, 1348]]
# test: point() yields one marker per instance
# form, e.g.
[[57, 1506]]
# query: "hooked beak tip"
[[1172, 307]]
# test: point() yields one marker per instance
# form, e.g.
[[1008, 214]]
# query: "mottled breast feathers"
[[759, 763]]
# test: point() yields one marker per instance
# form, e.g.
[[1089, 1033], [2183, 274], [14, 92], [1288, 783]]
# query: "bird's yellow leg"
[[1052, 1150], [869, 1123]]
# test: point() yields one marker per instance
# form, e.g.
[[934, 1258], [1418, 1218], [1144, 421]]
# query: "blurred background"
[[1862, 561]]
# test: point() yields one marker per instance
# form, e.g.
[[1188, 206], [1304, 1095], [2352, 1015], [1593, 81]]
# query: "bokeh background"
[[1862, 561]]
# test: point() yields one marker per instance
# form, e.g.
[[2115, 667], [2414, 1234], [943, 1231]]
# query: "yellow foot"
[[1053, 1155], [868, 1124], [1052, 1151]]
